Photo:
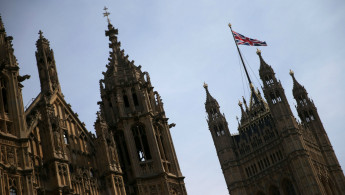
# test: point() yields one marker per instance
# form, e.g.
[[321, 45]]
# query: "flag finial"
[[229, 25]]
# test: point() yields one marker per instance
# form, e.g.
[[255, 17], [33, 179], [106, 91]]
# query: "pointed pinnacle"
[[258, 51], [41, 34], [1, 24]]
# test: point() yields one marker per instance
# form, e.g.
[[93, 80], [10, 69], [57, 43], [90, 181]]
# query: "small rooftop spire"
[[297, 88], [1, 24], [41, 40], [205, 85], [209, 97], [106, 14]]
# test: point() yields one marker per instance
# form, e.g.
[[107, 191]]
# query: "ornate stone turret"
[[11, 102], [222, 139], [305, 106], [46, 66], [275, 95], [217, 122], [107, 159], [309, 116], [135, 114]]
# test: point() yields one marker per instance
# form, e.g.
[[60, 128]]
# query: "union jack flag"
[[242, 40]]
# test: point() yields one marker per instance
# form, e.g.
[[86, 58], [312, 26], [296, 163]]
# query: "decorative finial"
[[239, 103], [106, 14], [41, 34], [291, 73], [205, 85], [258, 51], [229, 25]]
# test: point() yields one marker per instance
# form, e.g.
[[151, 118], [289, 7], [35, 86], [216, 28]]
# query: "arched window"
[[274, 101], [141, 143], [160, 142], [307, 119], [279, 99], [269, 80], [221, 129], [13, 191], [4, 95], [311, 115], [302, 100], [91, 173], [122, 149], [125, 99], [135, 98], [65, 137]]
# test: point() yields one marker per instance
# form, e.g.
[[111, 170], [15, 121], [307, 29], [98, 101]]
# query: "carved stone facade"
[[47, 150], [273, 153]]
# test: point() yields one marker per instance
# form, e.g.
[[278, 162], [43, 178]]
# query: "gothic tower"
[[272, 152], [135, 115], [52, 129], [14, 157], [12, 119], [221, 136], [331, 174]]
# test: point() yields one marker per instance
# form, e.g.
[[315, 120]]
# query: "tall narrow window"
[[141, 143], [311, 115], [274, 101], [307, 119], [279, 99], [216, 130], [160, 142], [221, 129], [122, 149], [269, 80], [135, 99], [125, 99], [4, 95], [65, 137]]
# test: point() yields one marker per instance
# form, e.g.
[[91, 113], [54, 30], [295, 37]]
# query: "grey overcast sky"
[[182, 44]]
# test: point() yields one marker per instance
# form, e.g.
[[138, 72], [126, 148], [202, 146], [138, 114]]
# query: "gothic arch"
[[141, 142], [122, 149], [159, 134], [4, 93]]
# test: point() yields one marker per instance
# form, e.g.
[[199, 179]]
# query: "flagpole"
[[238, 49]]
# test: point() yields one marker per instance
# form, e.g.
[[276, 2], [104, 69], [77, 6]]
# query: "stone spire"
[[2, 27], [297, 89], [46, 66], [209, 97], [119, 68], [264, 67]]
